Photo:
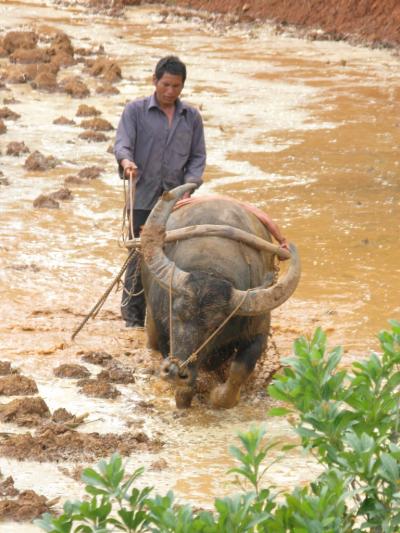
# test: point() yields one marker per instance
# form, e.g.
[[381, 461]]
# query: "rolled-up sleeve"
[[196, 163], [125, 139]]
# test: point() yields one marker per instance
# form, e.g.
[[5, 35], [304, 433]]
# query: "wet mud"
[[24, 506], [57, 442], [305, 130]]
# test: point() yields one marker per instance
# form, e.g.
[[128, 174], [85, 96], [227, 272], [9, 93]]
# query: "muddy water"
[[308, 131]]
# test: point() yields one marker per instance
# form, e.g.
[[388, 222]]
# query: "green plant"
[[348, 421]]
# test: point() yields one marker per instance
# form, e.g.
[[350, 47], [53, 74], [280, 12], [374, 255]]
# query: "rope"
[[127, 213], [96, 308], [195, 354], [129, 293], [171, 338], [132, 192], [127, 227]]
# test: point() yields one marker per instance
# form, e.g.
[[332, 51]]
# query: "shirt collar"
[[181, 107]]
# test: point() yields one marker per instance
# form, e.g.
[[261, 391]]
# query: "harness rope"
[[126, 229], [127, 214], [96, 308], [171, 339]]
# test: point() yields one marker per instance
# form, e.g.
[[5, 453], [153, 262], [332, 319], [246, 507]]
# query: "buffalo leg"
[[183, 397], [227, 394], [152, 337]]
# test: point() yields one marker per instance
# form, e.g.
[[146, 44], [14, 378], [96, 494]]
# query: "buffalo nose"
[[172, 372], [166, 368], [183, 375], [169, 370]]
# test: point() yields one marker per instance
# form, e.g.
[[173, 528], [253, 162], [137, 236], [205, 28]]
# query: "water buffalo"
[[201, 282]]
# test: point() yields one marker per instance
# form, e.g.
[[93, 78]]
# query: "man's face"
[[168, 88]]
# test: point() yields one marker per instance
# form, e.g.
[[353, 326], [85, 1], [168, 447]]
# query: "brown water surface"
[[307, 131]]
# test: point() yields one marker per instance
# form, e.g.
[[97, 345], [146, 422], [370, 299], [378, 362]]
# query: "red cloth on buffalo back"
[[272, 227]]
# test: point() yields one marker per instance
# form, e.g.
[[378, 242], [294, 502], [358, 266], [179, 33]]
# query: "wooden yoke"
[[214, 230]]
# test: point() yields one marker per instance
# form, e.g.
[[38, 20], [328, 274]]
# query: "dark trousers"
[[133, 308]]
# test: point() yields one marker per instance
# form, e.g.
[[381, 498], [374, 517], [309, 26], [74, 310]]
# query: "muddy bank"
[[367, 21]]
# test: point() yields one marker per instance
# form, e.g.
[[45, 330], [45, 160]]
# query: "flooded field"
[[307, 131]]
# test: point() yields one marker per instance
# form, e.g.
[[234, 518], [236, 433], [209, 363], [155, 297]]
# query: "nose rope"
[[171, 339], [193, 357]]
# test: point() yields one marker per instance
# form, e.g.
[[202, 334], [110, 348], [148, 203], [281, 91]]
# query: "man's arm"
[[124, 147], [197, 159]]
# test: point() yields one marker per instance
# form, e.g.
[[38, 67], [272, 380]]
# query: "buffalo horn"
[[260, 300], [165, 271]]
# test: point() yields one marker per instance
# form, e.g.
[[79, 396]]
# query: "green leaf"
[[279, 411]]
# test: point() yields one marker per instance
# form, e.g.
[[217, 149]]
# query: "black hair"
[[172, 65]]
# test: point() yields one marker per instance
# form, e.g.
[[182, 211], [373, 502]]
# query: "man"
[[160, 144]]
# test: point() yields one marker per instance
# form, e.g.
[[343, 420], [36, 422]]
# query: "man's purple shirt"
[[165, 156]]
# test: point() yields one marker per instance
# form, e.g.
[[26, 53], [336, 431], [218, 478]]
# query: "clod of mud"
[[93, 136], [12, 100], [61, 59], [87, 111], [62, 194], [106, 68], [97, 124], [90, 173], [37, 161], [107, 88], [7, 487], [71, 371], [117, 374], [62, 416], [75, 87], [34, 55], [116, 9], [84, 52], [6, 369], [159, 465], [20, 74], [59, 443], [27, 506], [97, 358], [61, 43], [74, 180], [64, 121], [45, 81], [21, 267], [74, 473], [43, 201], [16, 148], [19, 39], [98, 389], [25, 412], [7, 114], [16, 385], [145, 405]]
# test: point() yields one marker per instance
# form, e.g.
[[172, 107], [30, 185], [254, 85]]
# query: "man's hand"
[[130, 169]]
